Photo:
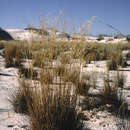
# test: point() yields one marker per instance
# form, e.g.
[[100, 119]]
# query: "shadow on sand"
[[2, 74]]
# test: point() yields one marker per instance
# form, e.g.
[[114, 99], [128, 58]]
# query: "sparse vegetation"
[[54, 111], [109, 92], [82, 88], [13, 55], [71, 76], [46, 77], [119, 80], [2, 45], [21, 98], [50, 104], [28, 73], [38, 60], [112, 65], [112, 95], [60, 70]]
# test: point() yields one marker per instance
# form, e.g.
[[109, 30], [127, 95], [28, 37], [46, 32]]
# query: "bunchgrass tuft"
[[54, 111], [21, 98], [46, 77], [28, 73], [13, 55], [119, 80], [2, 45], [82, 88], [112, 65]]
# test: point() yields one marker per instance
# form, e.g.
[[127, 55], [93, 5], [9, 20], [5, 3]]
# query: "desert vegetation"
[[50, 95], [52, 83]]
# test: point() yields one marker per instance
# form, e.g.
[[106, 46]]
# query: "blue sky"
[[20, 13]]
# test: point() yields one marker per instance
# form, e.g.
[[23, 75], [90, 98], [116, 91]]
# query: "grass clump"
[[116, 60], [72, 76], [82, 88], [111, 91], [54, 110], [13, 55], [46, 77], [38, 60], [2, 46], [28, 73], [112, 65], [65, 58], [21, 98], [48, 108], [60, 70], [119, 80]]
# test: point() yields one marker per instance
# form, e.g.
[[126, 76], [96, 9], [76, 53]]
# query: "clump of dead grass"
[[21, 98], [28, 73]]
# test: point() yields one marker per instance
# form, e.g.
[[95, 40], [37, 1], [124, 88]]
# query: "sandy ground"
[[8, 82]]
